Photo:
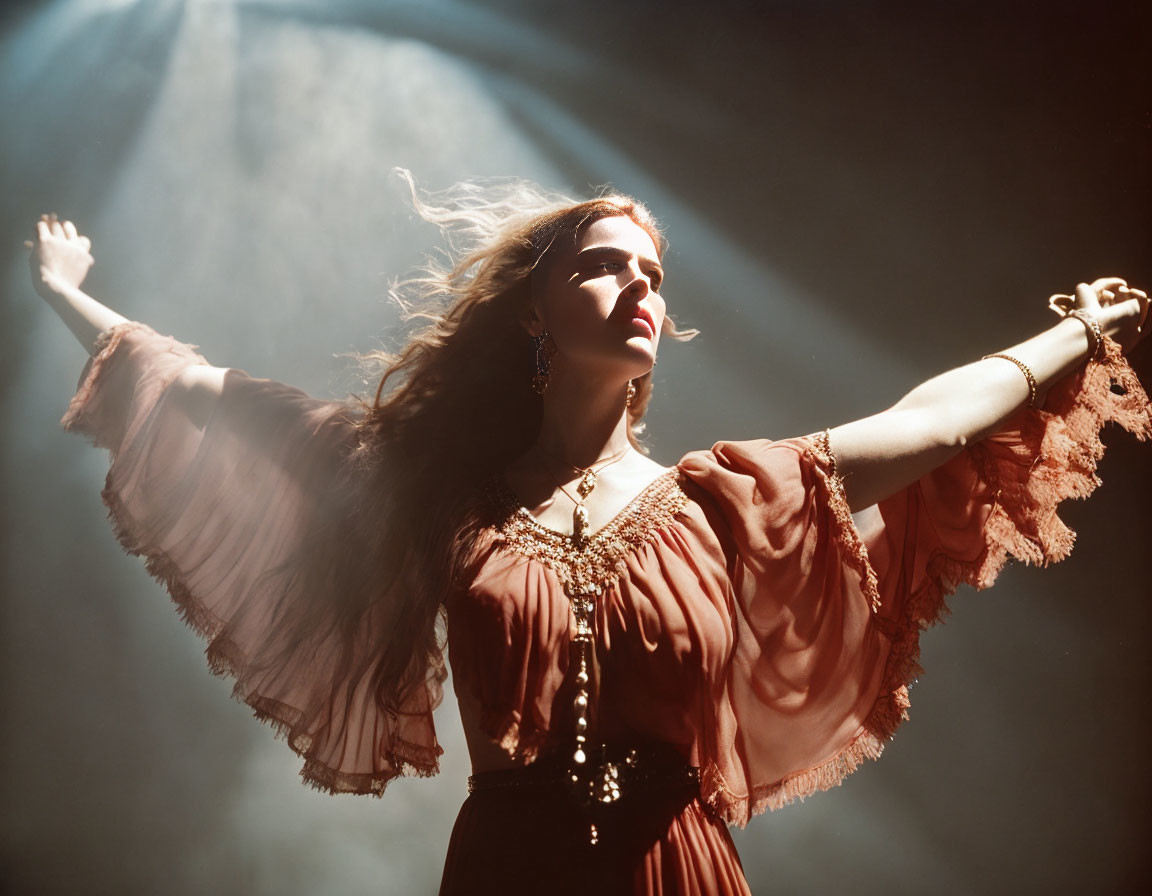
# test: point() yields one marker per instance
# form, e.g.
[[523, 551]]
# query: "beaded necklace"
[[587, 483], [585, 567], [599, 783]]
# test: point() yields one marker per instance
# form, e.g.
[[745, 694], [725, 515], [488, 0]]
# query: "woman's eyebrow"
[[615, 252]]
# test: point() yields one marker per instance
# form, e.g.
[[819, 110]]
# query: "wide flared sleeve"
[[827, 614], [244, 515]]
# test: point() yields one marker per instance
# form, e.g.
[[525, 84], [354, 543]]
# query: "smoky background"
[[858, 196]]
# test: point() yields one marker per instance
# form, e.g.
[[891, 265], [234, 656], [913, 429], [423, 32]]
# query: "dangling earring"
[[544, 351], [631, 394]]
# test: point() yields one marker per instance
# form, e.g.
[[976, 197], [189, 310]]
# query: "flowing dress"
[[746, 619]]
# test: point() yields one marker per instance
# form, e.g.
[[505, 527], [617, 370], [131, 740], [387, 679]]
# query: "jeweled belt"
[[609, 776]]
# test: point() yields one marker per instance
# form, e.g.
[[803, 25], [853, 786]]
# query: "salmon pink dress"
[[746, 621]]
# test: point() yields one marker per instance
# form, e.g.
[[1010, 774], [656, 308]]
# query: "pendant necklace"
[[588, 477], [597, 782]]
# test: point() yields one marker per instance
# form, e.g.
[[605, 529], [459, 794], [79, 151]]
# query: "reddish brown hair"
[[461, 406]]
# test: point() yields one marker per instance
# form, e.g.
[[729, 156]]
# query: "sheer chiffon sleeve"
[[827, 613], [240, 518]]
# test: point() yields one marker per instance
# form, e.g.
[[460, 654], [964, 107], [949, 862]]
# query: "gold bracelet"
[[1095, 331], [1024, 369]]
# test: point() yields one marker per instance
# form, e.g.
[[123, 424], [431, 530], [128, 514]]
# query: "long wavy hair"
[[460, 407]]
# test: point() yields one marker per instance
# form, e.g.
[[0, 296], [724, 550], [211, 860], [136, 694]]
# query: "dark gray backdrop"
[[858, 196]]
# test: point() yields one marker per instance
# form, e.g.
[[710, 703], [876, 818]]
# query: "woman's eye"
[[614, 267]]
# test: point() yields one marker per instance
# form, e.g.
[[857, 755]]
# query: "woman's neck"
[[584, 420]]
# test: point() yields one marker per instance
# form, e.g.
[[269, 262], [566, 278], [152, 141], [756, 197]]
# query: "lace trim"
[[888, 710], [591, 568], [846, 535], [1063, 448]]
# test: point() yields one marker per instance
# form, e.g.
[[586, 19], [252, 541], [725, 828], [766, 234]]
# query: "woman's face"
[[601, 300]]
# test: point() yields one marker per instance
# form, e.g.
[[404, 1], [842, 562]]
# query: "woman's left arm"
[[879, 455]]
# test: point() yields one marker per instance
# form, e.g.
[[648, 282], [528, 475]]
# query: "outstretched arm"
[[879, 455], [59, 262]]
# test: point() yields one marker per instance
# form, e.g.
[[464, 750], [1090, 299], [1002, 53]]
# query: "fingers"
[[1123, 303], [1127, 292], [1111, 283], [1136, 308], [50, 225], [1061, 303], [1086, 297], [1142, 297], [1125, 295]]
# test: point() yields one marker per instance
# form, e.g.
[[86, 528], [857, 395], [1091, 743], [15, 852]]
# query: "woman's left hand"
[[1121, 310]]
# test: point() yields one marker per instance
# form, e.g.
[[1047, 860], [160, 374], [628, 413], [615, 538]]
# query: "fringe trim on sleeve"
[[1061, 448], [225, 658], [103, 350]]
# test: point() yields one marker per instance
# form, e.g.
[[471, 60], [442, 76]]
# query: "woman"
[[642, 655]]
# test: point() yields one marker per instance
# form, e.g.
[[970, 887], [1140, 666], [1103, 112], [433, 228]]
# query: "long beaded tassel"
[[599, 784], [583, 607]]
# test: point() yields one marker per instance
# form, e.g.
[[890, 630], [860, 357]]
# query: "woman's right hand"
[[60, 257]]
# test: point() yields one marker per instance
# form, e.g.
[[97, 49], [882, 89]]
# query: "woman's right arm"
[[85, 316], [59, 261], [243, 503]]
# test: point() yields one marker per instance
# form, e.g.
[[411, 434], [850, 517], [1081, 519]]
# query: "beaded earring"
[[631, 393], [545, 349]]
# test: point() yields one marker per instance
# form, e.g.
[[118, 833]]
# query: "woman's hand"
[[1122, 311], [60, 257]]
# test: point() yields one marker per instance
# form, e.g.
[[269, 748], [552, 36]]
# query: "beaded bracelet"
[[1095, 332], [1024, 369]]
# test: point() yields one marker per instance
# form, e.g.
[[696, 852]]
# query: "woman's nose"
[[639, 284]]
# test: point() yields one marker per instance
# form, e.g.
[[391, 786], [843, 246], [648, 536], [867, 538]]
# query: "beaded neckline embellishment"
[[590, 565], [585, 565]]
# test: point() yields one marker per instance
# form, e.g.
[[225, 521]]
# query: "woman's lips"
[[642, 323]]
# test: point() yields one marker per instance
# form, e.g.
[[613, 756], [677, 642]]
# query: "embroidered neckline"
[[588, 569], [514, 504]]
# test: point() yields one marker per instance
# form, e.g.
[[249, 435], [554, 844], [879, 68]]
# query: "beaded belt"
[[631, 771]]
